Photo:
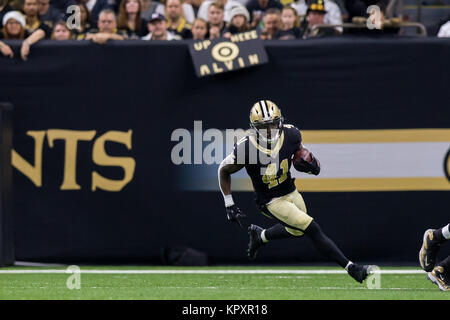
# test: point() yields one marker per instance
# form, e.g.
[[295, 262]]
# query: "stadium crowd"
[[102, 20]]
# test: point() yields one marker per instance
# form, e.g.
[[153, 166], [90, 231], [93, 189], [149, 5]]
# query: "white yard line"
[[244, 271]]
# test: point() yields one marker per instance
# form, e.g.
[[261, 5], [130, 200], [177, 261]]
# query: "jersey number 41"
[[270, 176]]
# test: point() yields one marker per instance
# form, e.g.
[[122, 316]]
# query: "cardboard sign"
[[242, 50]]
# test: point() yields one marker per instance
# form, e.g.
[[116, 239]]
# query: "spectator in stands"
[[129, 20], [199, 29], [203, 11], [85, 22], [176, 23], [333, 13], [48, 14], [4, 8], [315, 15], [290, 24], [107, 28], [257, 8], [30, 8], [61, 31], [157, 28], [95, 7], [216, 24], [150, 7], [239, 21], [32, 22], [444, 30], [188, 11], [272, 24], [14, 28]]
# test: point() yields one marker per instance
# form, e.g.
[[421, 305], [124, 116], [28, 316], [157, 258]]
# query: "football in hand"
[[304, 154]]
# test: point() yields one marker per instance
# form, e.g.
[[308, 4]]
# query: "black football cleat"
[[437, 276], [359, 272], [428, 252], [255, 242]]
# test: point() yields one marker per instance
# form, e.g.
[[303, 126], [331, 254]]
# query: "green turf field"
[[225, 283]]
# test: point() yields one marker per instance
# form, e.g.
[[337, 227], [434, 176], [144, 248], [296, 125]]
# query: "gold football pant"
[[290, 210]]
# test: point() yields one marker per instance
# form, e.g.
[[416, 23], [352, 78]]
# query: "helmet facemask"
[[268, 131]]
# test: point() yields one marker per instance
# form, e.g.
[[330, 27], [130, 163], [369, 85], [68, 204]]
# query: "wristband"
[[228, 200]]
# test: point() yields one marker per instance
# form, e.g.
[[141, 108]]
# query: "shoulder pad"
[[293, 132], [290, 126]]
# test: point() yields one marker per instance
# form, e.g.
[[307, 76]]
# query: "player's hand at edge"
[[234, 214]]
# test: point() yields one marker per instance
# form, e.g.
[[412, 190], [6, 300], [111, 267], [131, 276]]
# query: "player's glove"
[[234, 214], [312, 167]]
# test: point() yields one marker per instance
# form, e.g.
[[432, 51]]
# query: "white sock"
[[348, 265], [263, 236], [446, 232]]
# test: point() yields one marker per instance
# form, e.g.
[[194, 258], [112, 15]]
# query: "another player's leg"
[[432, 239], [440, 275]]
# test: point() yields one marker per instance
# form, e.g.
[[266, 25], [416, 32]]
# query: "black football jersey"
[[269, 168]]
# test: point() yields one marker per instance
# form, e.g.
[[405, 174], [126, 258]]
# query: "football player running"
[[267, 153], [437, 273]]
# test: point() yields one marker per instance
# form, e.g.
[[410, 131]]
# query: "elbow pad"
[[312, 167]]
